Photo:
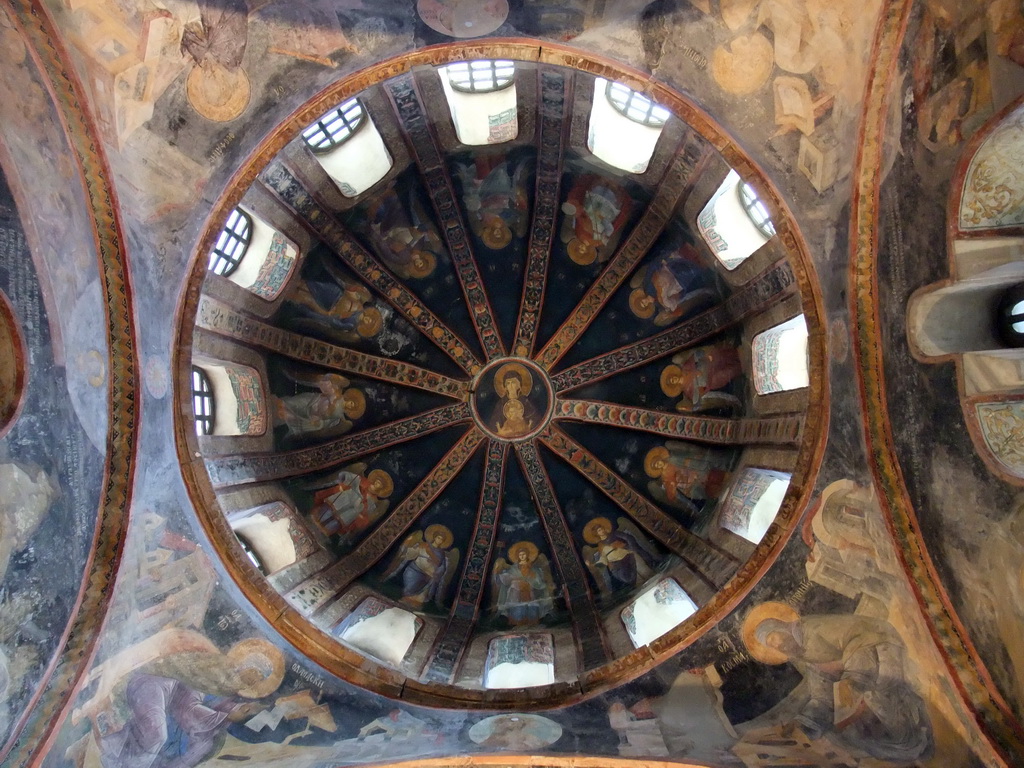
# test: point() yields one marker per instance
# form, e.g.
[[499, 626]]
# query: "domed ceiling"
[[505, 391]]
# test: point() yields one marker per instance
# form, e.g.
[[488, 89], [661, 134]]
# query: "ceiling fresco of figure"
[[621, 389]]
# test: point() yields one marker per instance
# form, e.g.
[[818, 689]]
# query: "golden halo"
[[496, 236], [643, 312], [748, 632], [266, 657], [438, 530], [217, 93], [582, 253], [528, 546], [358, 405], [589, 533], [520, 370], [429, 262], [386, 483], [370, 322], [670, 389], [656, 454]]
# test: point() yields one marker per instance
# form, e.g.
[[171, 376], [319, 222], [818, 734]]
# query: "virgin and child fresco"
[[619, 556], [596, 211], [349, 501], [523, 588], [521, 404], [327, 412], [424, 566], [698, 377]]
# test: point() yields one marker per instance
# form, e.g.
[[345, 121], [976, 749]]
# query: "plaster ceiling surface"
[[877, 621], [508, 389]]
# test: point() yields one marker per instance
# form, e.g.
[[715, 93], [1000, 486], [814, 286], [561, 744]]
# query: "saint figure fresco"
[[671, 287], [403, 236], [331, 304], [855, 689], [425, 564], [514, 416], [327, 413], [346, 503], [696, 376], [523, 588], [496, 199], [683, 476], [595, 215], [617, 556]]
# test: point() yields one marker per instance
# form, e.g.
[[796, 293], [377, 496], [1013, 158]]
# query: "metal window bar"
[[232, 243], [481, 76], [335, 128], [756, 210], [202, 402], [636, 106]]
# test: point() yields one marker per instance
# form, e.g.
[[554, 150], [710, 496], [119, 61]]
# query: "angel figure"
[[681, 477], [346, 502], [595, 216], [403, 236], [328, 412], [697, 375], [670, 287], [496, 201], [426, 564], [523, 588], [618, 556], [332, 304]]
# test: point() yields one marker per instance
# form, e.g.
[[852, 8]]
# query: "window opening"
[[780, 357], [202, 402], [636, 106], [519, 661], [657, 611], [753, 502], [756, 210], [334, 128], [481, 76], [380, 630], [232, 244], [251, 554], [1010, 316]]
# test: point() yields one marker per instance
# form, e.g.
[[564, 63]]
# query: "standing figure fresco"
[[596, 212], [403, 236], [497, 201], [696, 377], [671, 287], [425, 564], [167, 701], [618, 556], [327, 413], [329, 303], [523, 588], [682, 476], [346, 503], [855, 689]]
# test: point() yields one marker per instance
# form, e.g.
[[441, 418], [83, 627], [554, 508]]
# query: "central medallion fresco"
[[512, 399], [498, 405]]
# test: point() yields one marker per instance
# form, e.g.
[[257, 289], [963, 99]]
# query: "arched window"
[[658, 610], [251, 554], [483, 76], [624, 126], [636, 106], [735, 222], [756, 210], [520, 661], [232, 244], [753, 501], [380, 630], [334, 128], [780, 357], [349, 148], [202, 401], [482, 100], [1010, 316]]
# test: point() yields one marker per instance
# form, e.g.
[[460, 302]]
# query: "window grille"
[[232, 244], [334, 128], [251, 554], [636, 106], [756, 210], [481, 76], [202, 402]]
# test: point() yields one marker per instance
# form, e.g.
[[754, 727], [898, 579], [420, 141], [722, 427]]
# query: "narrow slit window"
[[753, 501], [251, 554], [202, 402], [735, 222], [380, 630], [636, 106], [334, 128], [482, 76], [232, 243]]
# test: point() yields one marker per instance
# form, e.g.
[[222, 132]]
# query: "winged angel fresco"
[[618, 557], [327, 413], [524, 590], [425, 563]]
